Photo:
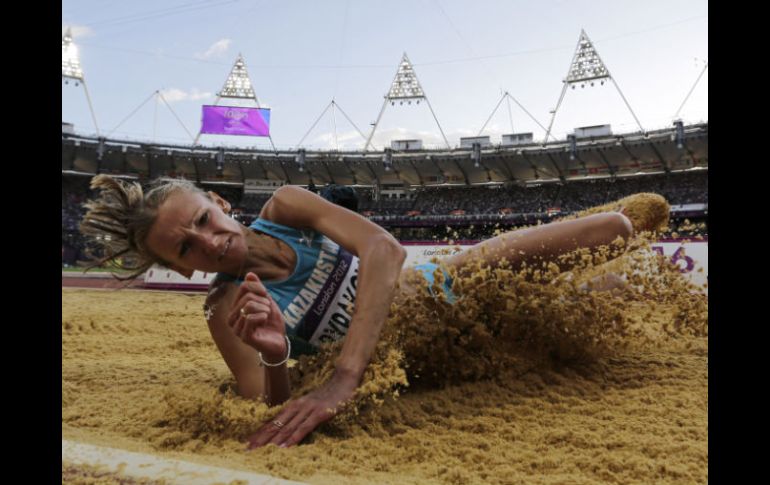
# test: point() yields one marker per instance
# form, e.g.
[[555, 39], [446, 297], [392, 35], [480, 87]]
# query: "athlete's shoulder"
[[220, 287], [294, 206]]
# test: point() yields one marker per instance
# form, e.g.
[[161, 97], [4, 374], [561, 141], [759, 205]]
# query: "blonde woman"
[[304, 273]]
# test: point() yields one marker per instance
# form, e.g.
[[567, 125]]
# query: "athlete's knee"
[[617, 224], [648, 211]]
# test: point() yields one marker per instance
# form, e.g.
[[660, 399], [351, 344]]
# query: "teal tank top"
[[318, 298]]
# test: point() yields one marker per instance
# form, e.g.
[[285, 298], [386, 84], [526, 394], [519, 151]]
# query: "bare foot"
[[604, 282]]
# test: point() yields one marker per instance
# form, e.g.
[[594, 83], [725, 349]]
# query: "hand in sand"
[[301, 416]]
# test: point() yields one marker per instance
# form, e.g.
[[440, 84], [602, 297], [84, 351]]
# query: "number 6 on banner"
[[680, 255]]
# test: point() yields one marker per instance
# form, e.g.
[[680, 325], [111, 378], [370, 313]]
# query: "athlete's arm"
[[239, 338], [256, 319], [380, 260], [241, 359]]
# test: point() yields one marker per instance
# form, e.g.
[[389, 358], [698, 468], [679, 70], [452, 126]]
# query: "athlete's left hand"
[[301, 416]]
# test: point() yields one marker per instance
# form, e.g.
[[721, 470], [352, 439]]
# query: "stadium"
[[417, 194], [633, 417]]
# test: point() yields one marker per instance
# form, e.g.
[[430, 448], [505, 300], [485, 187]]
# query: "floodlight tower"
[[71, 70], [405, 87], [238, 86], [586, 67]]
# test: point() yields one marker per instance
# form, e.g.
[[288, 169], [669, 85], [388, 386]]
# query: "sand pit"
[[140, 372]]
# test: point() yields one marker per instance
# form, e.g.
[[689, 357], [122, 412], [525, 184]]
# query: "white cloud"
[[78, 31], [217, 49], [173, 95], [429, 139], [347, 140], [352, 140]]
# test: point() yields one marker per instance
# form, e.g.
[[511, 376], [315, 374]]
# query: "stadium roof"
[[593, 157]]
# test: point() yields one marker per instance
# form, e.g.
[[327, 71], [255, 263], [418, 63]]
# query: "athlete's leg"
[[545, 243], [604, 282], [590, 228], [647, 211]]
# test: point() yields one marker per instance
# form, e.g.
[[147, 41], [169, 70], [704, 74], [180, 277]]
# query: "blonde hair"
[[120, 218]]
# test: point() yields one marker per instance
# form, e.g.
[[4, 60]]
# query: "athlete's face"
[[192, 232]]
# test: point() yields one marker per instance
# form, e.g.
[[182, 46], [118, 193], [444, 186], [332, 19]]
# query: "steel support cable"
[[135, 16], [437, 123], [377, 122], [627, 105], [342, 48], [155, 118], [491, 115], [350, 121], [525, 110], [334, 122], [164, 12], [691, 90], [384, 66], [175, 115], [314, 124], [132, 113], [90, 106], [489, 72], [550, 125]]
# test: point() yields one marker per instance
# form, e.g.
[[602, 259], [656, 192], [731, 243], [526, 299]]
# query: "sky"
[[302, 54]]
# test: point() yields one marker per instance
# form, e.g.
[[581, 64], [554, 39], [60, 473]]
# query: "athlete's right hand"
[[256, 319]]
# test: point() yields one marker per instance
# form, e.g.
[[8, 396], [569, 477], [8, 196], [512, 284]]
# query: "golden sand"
[[91, 475], [527, 379]]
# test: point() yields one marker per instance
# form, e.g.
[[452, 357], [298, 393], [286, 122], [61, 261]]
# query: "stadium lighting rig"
[[586, 67], [238, 86], [405, 87], [220, 158], [679, 134], [300, 159], [72, 71], [572, 146], [387, 159], [70, 61], [476, 154]]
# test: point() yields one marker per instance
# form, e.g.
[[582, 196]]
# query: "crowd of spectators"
[[252, 203], [535, 199], [684, 188], [74, 193], [384, 204], [230, 193], [687, 188]]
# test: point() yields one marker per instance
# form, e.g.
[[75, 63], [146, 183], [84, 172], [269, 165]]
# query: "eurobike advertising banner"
[[234, 120], [691, 257]]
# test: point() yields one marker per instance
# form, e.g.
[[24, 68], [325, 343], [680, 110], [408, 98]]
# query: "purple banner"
[[234, 120]]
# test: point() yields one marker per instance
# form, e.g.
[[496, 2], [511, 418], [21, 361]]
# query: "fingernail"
[[282, 445]]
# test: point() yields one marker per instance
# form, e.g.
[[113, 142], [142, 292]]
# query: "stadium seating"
[[431, 203]]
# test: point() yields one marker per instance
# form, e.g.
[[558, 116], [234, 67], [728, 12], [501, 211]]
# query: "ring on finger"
[[243, 312], [278, 424]]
